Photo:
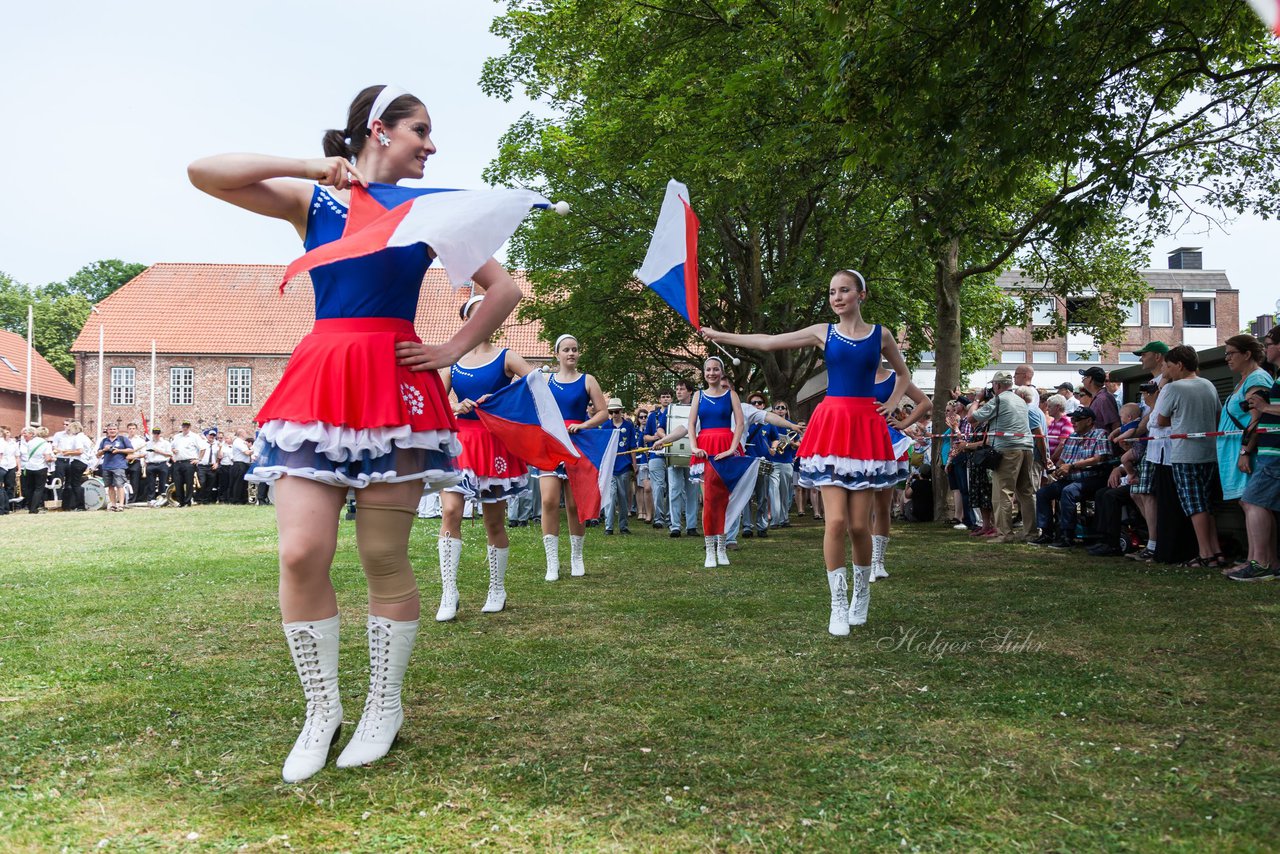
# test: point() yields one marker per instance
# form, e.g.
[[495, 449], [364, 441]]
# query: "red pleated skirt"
[[344, 374]]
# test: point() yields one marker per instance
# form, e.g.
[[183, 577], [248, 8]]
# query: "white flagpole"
[[152, 417], [101, 421], [26, 417]]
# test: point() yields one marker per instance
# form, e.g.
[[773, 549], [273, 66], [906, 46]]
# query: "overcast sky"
[[106, 103]]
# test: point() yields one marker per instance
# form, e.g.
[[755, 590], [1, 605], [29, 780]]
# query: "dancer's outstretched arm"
[[810, 336]]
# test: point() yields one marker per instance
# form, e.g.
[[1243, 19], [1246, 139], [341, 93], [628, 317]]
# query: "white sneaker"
[[839, 623], [551, 545], [497, 580], [390, 644], [710, 562], [961, 527], [722, 555], [314, 647], [450, 550], [577, 567], [861, 599]]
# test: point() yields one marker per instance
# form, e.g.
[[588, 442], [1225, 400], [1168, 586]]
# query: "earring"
[[384, 139]]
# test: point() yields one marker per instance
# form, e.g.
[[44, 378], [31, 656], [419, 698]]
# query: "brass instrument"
[[791, 439]]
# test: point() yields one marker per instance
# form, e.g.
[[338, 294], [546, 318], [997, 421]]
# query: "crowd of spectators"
[[69, 469], [1077, 469]]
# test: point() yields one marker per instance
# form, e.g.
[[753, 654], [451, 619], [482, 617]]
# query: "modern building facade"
[[1187, 305]]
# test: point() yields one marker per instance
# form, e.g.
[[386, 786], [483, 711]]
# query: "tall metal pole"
[[153, 383], [101, 421], [26, 417]]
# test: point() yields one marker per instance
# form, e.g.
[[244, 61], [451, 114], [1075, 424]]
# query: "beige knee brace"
[[382, 538]]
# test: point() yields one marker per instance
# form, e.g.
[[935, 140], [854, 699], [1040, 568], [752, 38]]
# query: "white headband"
[[466, 306], [555, 348], [715, 359], [859, 277], [380, 103]]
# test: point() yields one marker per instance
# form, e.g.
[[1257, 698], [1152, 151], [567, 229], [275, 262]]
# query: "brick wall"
[[1226, 320], [209, 405], [54, 412]]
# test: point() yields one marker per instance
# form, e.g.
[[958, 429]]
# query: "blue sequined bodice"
[[852, 363], [475, 383], [571, 397], [384, 284]]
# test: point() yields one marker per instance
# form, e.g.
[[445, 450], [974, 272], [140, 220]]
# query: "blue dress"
[[847, 442], [344, 413], [490, 471]]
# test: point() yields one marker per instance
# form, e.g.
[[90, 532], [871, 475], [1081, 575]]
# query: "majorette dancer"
[[846, 450], [716, 427], [349, 412], [491, 474], [751, 416], [573, 390], [881, 511]]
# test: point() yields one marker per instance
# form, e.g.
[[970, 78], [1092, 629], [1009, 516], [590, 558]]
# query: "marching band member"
[[846, 450], [491, 474], [881, 516], [573, 391], [187, 448], [158, 455], [359, 406]]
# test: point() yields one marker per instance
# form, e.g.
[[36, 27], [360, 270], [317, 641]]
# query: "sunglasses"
[[757, 403], [779, 409]]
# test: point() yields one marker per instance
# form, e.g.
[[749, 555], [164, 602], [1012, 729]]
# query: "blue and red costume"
[[715, 427], [901, 441], [847, 441], [572, 399], [490, 472], [344, 413]]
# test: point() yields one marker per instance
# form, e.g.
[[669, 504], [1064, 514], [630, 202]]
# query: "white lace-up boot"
[[497, 578], [576, 565], [390, 644], [860, 602], [839, 622], [722, 554], [551, 545], [879, 543], [710, 562], [314, 647], [450, 550]]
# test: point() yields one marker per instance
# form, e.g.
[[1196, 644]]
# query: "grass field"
[[1000, 697]]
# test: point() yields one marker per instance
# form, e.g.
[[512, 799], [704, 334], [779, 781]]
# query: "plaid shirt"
[[1077, 447]]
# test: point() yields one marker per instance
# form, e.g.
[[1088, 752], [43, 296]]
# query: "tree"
[[97, 281], [1024, 130], [726, 97]]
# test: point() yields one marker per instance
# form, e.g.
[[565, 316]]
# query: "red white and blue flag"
[[1269, 12], [525, 418], [671, 265], [727, 486], [463, 227], [590, 473]]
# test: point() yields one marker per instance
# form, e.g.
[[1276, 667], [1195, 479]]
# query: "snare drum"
[[679, 454]]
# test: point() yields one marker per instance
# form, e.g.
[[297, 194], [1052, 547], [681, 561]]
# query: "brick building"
[[1187, 305], [52, 397], [222, 335]]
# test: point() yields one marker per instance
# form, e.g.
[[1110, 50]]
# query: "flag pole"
[[30, 327], [153, 382], [101, 424]]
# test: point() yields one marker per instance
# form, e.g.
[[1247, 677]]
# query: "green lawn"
[[146, 696]]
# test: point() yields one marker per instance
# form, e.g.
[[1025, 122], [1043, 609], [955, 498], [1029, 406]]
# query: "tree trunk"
[[946, 360]]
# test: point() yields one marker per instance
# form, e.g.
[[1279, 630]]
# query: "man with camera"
[[1006, 415]]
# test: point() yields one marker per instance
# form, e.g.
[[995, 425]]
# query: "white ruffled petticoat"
[[342, 456]]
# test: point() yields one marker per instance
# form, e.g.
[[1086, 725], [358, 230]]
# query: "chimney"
[[1186, 258]]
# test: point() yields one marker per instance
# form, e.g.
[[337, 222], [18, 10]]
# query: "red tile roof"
[[45, 379], [237, 309]]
